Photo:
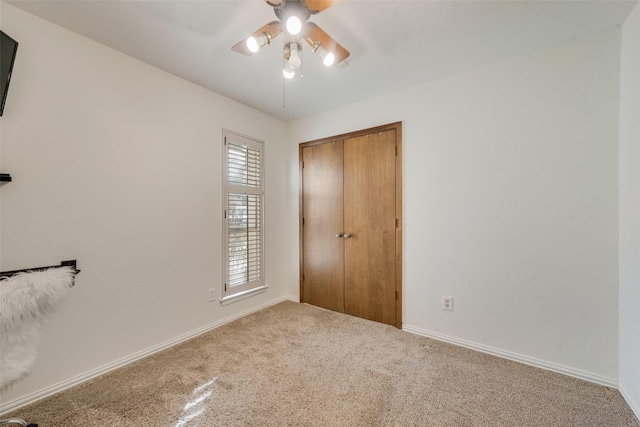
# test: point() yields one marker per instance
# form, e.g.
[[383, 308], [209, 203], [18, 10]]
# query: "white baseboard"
[[634, 405], [587, 376], [56, 388]]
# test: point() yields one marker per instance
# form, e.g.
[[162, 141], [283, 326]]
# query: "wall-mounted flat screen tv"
[[8, 49]]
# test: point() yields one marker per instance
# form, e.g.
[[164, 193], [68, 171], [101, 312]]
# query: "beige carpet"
[[298, 365]]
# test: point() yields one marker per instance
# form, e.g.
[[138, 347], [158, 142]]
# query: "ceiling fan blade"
[[315, 6], [273, 28], [315, 36], [274, 3]]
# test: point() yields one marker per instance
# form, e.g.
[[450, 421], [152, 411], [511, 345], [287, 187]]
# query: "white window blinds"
[[243, 219]]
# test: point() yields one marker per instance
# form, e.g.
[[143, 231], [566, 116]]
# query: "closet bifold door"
[[351, 223], [370, 219], [322, 242]]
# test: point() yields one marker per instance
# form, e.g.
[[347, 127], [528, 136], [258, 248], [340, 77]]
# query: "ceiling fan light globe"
[[252, 44], [329, 59], [288, 74], [294, 25], [294, 59]]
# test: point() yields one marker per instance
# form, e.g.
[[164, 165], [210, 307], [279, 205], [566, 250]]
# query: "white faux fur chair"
[[26, 298]]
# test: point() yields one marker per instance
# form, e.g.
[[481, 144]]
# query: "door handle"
[[339, 235], [346, 235]]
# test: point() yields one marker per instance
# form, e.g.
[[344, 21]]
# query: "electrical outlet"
[[212, 294], [447, 303]]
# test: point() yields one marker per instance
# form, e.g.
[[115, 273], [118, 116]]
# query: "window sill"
[[242, 295]]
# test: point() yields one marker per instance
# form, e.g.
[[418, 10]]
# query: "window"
[[243, 218]]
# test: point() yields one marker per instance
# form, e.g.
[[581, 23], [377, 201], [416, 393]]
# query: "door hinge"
[[396, 222], [303, 164], [303, 277], [396, 147], [225, 288], [396, 295], [225, 214], [302, 221]]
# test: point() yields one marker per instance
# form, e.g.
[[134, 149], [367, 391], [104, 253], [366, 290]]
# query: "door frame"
[[397, 126]]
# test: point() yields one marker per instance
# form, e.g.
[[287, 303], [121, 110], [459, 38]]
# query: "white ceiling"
[[393, 44]]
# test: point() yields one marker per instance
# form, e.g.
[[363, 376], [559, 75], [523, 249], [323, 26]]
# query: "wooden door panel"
[[322, 215], [370, 218]]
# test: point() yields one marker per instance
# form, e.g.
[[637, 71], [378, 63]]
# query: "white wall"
[[510, 204], [630, 211], [118, 164]]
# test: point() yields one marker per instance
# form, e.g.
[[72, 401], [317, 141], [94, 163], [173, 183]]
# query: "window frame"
[[248, 288]]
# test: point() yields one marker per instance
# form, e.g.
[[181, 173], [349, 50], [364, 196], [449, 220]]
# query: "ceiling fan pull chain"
[[284, 83]]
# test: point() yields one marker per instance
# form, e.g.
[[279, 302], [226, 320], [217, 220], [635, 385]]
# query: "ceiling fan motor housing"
[[292, 7]]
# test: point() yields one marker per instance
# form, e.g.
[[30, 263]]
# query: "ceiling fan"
[[293, 18]]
